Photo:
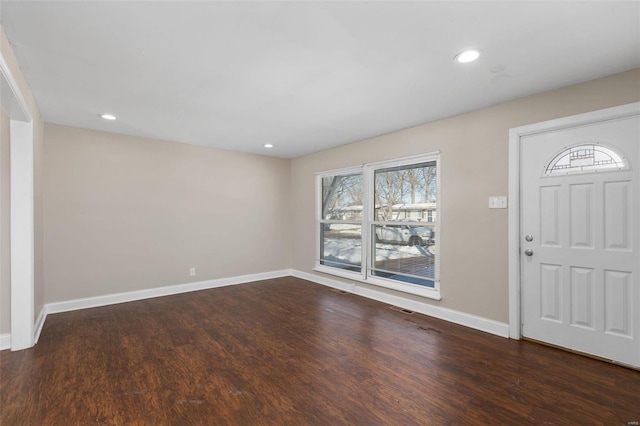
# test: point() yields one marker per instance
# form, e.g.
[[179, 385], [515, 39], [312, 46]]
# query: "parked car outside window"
[[412, 235]]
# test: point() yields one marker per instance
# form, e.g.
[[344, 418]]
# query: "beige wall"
[[474, 166], [5, 226], [9, 57], [125, 213]]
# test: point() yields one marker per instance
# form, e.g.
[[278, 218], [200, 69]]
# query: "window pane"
[[341, 246], [342, 197], [407, 193], [405, 253]]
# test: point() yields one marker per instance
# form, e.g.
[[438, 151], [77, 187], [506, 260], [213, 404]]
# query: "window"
[[341, 221], [379, 224], [585, 158]]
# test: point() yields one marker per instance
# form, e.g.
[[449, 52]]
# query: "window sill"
[[416, 290]]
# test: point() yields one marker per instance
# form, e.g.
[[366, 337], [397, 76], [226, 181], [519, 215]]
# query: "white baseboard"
[[468, 320], [39, 324], [130, 296], [5, 341], [473, 321]]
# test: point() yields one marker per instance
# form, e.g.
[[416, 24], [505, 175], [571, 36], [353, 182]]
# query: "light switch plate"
[[498, 202]]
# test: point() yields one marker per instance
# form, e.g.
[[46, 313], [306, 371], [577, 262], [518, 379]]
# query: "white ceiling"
[[304, 76]]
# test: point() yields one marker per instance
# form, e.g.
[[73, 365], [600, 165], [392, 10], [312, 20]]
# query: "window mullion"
[[367, 187]]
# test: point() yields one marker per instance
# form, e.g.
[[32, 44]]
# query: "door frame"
[[22, 209], [515, 141]]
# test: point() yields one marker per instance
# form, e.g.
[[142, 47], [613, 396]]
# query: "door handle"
[[528, 252]]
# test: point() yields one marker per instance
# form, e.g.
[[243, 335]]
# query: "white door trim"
[[22, 236], [515, 135], [22, 210]]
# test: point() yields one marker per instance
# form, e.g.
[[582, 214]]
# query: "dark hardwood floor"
[[289, 352]]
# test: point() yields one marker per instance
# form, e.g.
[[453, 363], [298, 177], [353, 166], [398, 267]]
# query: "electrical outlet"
[[498, 202], [192, 272]]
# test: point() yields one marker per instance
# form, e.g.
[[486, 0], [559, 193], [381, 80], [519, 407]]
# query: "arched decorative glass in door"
[[585, 158]]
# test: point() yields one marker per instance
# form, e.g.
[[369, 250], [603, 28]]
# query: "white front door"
[[580, 238]]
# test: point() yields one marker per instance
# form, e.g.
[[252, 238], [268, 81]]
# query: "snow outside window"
[[379, 224], [341, 222]]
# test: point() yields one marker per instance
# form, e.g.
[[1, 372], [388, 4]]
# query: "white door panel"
[[580, 285]]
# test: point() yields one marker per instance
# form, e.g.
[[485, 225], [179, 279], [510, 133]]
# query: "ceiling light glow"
[[268, 145], [467, 56], [108, 116]]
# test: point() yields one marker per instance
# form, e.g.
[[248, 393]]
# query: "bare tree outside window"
[[389, 192], [398, 186], [428, 181], [414, 182], [339, 193]]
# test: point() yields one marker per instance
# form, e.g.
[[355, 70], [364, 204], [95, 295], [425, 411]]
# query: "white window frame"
[[328, 269], [368, 172]]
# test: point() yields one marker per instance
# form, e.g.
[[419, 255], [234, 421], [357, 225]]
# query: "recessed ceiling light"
[[467, 56], [108, 116], [268, 145]]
